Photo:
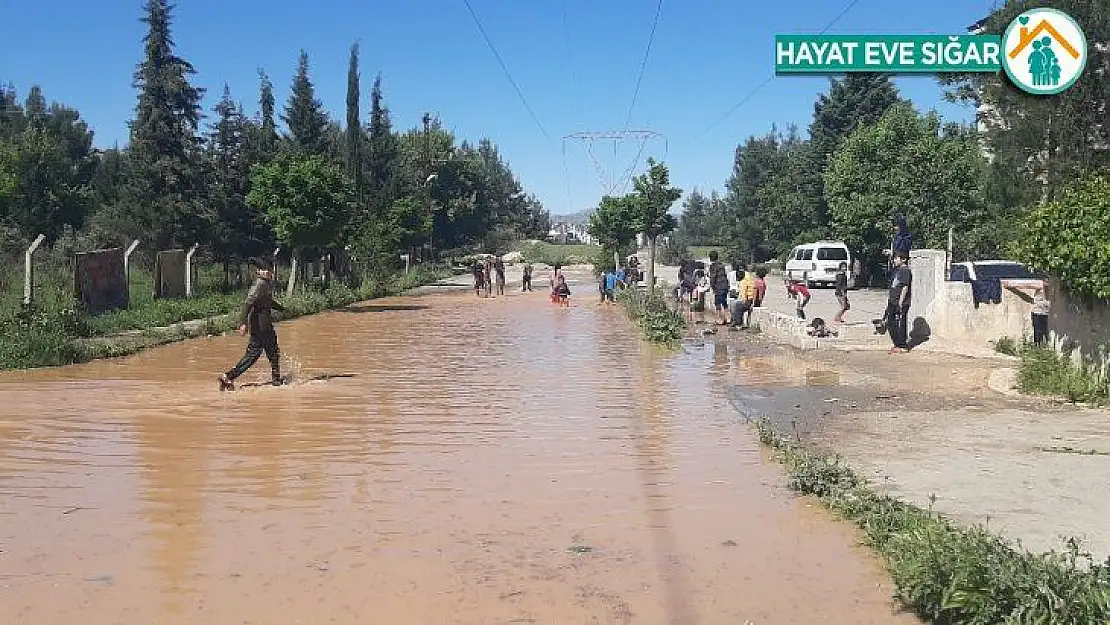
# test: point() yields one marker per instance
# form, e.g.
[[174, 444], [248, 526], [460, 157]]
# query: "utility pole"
[[427, 119]]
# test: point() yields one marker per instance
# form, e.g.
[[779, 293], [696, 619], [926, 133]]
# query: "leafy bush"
[[947, 573], [1067, 238], [659, 322]]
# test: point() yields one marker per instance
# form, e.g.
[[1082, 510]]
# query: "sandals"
[[225, 383]]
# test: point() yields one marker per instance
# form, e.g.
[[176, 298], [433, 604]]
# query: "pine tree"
[[163, 199], [304, 116], [267, 127], [353, 140], [382, 162], [239, 231]]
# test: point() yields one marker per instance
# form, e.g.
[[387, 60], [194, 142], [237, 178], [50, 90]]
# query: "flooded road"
[[488, 461]]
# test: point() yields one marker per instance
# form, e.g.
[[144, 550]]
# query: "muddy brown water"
[[490, 461]]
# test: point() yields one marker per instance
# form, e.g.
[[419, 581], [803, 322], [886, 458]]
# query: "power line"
[[643, 63], [763, 84], [504, 68]]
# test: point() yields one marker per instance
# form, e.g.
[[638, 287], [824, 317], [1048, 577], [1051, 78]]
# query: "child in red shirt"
[[800, 293]]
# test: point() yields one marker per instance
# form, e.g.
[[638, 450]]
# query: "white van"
[[819, 262]]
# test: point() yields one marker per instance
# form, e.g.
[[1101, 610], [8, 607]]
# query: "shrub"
[[658, 321]]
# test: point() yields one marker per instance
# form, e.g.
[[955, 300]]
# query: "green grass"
[[549, 254], [659, 322], [946, 573], [701, 252], [54, 333]]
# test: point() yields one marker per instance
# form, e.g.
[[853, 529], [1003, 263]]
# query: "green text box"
[[895, 54]]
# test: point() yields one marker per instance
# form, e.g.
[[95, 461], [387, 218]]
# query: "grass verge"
[[945, 573], [56, 337], [549, 254], [1044, 371], [659, 322]]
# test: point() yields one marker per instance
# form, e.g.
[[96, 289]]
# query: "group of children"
[[609, 282], [696, 285], [485, 272]]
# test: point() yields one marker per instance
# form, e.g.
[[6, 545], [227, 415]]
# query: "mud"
[[460, 461]]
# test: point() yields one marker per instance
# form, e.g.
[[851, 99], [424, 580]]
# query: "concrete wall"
[[1079, 327], [946, 310]]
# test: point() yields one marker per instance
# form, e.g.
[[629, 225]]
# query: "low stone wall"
[[947, 309]]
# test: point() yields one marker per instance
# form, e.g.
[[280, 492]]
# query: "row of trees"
[[244, 184], [869, 154]]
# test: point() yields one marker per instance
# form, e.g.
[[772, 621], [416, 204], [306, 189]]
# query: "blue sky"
[[577, 74]]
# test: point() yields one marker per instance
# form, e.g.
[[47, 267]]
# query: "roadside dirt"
[[927, 425]]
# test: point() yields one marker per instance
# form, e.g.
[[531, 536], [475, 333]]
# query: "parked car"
[[820, 260], [1010, 272]]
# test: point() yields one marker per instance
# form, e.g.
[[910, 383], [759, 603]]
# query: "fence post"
[[189, 270], [406, 257], [28, 269], [127, 269]]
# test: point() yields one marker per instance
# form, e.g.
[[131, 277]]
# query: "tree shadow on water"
[[372, 308]]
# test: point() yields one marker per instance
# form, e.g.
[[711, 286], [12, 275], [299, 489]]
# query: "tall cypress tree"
[[353, 140], [304, 116], [163, 196]]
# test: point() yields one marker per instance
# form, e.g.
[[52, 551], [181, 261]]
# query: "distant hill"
[[581, 217]]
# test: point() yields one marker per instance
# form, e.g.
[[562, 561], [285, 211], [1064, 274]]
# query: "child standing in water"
[[256, 317], [562, 291]]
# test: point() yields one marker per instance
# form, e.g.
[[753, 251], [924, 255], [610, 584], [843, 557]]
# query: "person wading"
[[256, 316], [718, 281], [499, 269], [526, 278]]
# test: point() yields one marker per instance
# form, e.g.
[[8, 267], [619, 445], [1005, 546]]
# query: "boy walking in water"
[[256, 317]]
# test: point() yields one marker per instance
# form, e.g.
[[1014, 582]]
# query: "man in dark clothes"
[[257, 318], [898, 304], [526, 279]]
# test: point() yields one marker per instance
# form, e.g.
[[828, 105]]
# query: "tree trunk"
[[616, 260], [292, 275], [651, 265]]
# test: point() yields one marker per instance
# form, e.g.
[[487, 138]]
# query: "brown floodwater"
[[488, 461]]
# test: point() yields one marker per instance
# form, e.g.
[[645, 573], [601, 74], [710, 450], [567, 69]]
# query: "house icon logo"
[[1045, 51]]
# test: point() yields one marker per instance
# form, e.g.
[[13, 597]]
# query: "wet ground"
[[486, 461]]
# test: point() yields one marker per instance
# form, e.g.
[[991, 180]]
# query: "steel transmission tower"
[[613, 181]]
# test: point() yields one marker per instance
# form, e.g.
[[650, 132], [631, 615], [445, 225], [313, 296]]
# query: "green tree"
[[263, 138], [1048, 141], [305, 118], [382, 164], [852, 101], [238, 231], [755, 164], [653, 198], [307, 199], [163, 200], [1067, 237], [905, 163], [353, 139], [613, 226]]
